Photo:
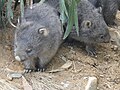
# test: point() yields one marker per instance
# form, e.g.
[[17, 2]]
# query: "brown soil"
[[106, 67]]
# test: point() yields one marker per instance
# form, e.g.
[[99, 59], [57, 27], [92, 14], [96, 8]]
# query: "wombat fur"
[[53, 3], [109, 9], [37, 37], [93, 28]]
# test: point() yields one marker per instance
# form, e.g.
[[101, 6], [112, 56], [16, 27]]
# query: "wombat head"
[[29, 36], [93, 28]]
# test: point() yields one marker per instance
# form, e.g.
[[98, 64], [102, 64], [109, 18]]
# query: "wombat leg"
[[29, 66], [91, 50]]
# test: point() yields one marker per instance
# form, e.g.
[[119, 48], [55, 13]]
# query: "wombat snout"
[[18, 58]]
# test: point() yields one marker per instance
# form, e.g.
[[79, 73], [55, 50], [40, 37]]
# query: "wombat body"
[[109, 9], [93, 28], [38, 37]]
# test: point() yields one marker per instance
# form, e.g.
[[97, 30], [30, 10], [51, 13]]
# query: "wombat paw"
[[91, 51]]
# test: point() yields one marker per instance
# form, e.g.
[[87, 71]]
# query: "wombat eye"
[[28, 50], [88, 23], [101, 36]]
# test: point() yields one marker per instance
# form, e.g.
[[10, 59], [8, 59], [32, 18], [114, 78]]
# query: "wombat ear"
[[99, 10], [43, 31], [87, 23]]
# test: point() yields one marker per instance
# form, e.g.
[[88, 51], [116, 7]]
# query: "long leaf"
[[76, 17], [63, 7], [9, 10], [42, 1], [22, 8], [70, 21], [63, 11], [2, 2]]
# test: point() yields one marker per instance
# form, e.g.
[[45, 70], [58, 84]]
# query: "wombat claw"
[[91, 51], [31, 70], [41, 69], [28, 70]]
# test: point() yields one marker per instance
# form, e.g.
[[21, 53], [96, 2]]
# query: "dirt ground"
[[106, 67]]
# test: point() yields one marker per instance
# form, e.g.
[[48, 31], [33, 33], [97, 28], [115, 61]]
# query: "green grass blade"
[[22, 8], [76, 17], [9, 10], [63, 11], [3, 2], [70, 21], [77, 1], [42, 1], [63, 7]]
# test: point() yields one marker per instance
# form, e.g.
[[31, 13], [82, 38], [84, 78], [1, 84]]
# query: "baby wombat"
[[109, 9], [37, 37], [93, 28]]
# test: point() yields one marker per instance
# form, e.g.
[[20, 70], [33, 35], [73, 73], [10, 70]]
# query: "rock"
[[88, 83], [65, 84], [8, 47], [115, 35], [66, 66], [64, 58], [114, 47], [11, 76]]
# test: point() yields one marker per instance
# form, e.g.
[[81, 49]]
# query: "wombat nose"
[[107, 40], [17, 58], [20, 58]]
